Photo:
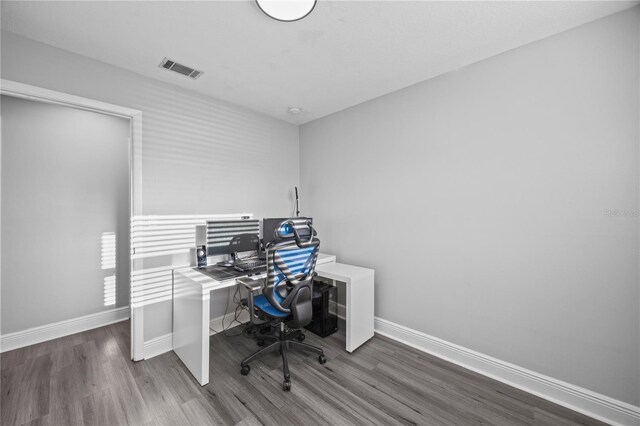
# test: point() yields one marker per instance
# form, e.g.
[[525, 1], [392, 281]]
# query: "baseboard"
[[217, 325], [574, 397], [342, 312], [31, 336], [159, 345]]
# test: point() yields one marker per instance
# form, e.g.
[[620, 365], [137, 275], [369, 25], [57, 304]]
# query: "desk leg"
[[191, 327], [359, 315]]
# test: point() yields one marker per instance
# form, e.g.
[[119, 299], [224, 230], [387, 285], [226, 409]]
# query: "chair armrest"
[[251, 284]]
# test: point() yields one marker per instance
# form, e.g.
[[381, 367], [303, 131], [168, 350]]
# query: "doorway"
[[66, 209]]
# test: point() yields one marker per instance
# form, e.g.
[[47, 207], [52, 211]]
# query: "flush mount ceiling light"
[[286, 10]]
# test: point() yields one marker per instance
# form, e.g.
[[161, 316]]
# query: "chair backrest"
[[291, 264]]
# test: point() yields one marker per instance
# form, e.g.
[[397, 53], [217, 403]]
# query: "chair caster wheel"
[[245, 370], [286, 385], [260, 342], [265, 329], [300, 338], [322, 359]]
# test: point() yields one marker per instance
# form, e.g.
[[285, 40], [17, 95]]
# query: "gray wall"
[[65, 184], [486, 201], [199, 155]]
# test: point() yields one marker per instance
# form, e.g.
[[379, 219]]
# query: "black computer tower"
[[325, 309]]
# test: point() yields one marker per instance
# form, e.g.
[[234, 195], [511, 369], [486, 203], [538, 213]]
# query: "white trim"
[[164, 343], [342, 311], [579, 399], [215, 325], [27, 91], [31, 336], [158, 346], [137, 331]]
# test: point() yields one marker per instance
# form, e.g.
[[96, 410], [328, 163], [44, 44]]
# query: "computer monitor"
[[269, 226], [232, 236]]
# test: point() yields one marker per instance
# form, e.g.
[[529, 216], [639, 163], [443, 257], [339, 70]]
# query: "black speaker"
[[201, 254], [324, 303]]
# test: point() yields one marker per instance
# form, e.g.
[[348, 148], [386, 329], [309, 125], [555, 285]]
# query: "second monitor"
[[231, 236]]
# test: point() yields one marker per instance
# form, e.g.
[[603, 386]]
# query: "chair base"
[[282, 343]]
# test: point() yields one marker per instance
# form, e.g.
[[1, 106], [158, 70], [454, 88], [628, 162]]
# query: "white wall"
[[199, 155], [65, 184], [482, 199]]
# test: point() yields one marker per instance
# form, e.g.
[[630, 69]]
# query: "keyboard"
[[250, 265]]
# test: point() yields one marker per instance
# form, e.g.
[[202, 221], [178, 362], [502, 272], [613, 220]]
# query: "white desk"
[[359, 300], [191, 296]]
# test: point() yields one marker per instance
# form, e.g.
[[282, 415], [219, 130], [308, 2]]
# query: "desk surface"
[[341, 271], [208, 283]]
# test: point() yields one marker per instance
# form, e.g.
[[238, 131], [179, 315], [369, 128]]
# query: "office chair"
[[286, 296]]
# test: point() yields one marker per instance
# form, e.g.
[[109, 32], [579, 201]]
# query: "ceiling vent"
[[180, 69]]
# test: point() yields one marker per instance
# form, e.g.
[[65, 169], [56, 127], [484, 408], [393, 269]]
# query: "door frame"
[[39, 94]]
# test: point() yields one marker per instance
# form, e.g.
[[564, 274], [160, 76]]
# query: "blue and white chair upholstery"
[[286, 296]]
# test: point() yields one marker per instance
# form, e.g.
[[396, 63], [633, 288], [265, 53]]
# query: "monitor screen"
[[232, 236], [269, 226]]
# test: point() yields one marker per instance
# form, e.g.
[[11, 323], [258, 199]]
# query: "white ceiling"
[[344, 53]]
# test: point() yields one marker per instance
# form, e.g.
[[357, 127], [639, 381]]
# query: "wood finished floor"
[[87, 378]]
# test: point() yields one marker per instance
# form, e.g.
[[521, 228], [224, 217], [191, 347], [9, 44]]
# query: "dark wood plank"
[[87, 378], [26, 391]]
